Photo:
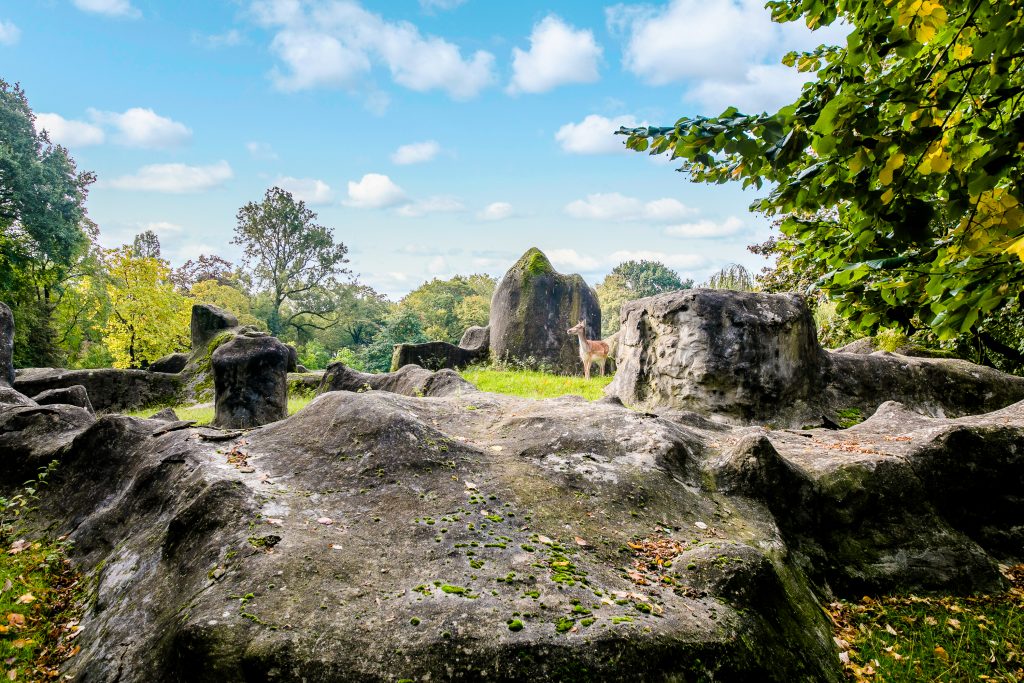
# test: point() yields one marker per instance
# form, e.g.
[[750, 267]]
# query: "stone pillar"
[[207, 322], [532, 308], [6, 346], [250, 379]]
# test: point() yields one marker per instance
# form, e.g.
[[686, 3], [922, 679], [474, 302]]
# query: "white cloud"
[[162, 227], [374, 191], [416, 153], [69, 132], [261, 150], [174, 178], [765, 88], [431, 205], [230, 38], [730, 54], [138, 127], [558, 54], [309, 190], [438, 266], [430, 5], [571, 260], [10, 34], [110, 8], [595, 134], [614, 206], [335, 42], [706, 229], [496, 211]]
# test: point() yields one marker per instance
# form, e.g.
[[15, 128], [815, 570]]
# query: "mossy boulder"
[[531, 309], [250, 375]]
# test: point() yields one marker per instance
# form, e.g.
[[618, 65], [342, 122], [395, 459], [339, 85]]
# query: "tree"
[[447, 307], [401, 327], [45, 232], [633, 280], [293, 256], [146, 245], [734, 277], [898, 170], [148, 318], [206, 268]]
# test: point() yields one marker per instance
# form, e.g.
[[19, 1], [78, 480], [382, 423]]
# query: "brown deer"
[[591, 351]]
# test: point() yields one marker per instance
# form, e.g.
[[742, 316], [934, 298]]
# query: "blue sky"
[[434, 137]]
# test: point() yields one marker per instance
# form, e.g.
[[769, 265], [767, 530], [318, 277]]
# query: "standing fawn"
[[590, 351]]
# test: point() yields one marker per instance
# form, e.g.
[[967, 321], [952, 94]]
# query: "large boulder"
[[531, 309], [207, 322], [751, 358], [109, 389], [75, 395], [476, 338], [250, 376], [171, 363], [6, 346], [409, 380], [435, 355]]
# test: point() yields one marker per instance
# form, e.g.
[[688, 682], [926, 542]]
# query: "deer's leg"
[[586, 367], [600, 366]]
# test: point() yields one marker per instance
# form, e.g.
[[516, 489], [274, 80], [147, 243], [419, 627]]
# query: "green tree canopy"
[[45, 232], [447, 307], [897, 173], [293, 256], [633, 280]]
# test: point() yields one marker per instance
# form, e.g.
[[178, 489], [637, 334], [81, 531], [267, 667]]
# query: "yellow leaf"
[[887, 196], [961, 51], [25, 599], [891, 164], [1017, 248], [941, 653], [857, 162]]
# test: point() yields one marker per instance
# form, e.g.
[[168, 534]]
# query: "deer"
[[591, 351]]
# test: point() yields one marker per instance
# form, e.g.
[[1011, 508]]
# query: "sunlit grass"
[[534, 384], [202, 414]]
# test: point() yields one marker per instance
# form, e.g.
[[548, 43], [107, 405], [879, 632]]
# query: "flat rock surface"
[[376, 536]]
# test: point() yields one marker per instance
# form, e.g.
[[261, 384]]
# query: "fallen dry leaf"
[[275, 521], [25, 599], [16, 620], [941, 653], [12, 675], [18, 546], [7, 586], [581, 542], [470, 486], [544, 539], [326, 521], [20, 643]]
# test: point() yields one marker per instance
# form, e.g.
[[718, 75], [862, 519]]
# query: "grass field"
[[202, 414], [534, 384]]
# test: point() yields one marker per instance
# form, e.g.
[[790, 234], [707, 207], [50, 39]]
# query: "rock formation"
[[171, 363], [409, 380], [477, 339], [439, 355], [408, 526], [108, 388], [752, 358], [531, 309], [250, 376], [207, 322], [75, 395], [6, 346]]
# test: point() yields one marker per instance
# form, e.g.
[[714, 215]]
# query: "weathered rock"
[[75, 395], [6, 346], [165, 415], [754, 358], [171, 363], [476, 338], [435, 355], [207, 322], [109, 389], [250, 375], [13, 397], [301, 369], [531, 309], [409, 380], [293, 359]]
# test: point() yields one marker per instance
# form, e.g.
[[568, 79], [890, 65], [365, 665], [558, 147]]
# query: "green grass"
[[535, 384], [935, 638], [202, 414]]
